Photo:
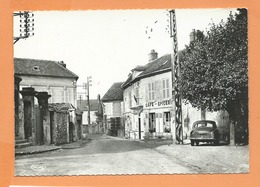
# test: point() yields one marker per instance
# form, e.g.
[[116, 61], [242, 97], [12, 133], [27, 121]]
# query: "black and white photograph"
[[131, 92]]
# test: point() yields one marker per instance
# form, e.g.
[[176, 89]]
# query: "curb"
[[36, 152], [61, 147], [75, 147]]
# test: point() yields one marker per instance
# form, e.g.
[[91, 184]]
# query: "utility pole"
[[89, 80], [26, 25], [176, 92]]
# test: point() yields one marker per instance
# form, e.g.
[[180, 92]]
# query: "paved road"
[[103, 155]]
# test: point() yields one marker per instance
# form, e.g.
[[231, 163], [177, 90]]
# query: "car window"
[[204, 124]]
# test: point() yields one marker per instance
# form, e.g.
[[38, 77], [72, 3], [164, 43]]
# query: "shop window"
[[166, 88], [167, 122]]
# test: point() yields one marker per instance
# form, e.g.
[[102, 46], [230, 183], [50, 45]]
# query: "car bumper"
[[203, 139]]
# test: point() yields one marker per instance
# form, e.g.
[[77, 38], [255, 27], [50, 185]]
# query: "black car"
[[204, 131]]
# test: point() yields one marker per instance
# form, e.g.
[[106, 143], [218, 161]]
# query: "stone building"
[[37, 84]]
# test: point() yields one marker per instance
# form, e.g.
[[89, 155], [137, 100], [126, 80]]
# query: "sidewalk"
[[46, 148]]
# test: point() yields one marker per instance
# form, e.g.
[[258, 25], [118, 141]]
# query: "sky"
[[108, 44]]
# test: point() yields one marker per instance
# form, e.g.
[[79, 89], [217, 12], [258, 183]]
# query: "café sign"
[[158, 103]]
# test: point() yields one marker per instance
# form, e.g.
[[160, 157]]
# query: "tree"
[[214, 70]]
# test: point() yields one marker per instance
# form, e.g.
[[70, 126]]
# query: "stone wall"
[[60, 124]]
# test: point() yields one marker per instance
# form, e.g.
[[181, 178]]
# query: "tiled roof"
[[161, 64], [83, 105], [24, 66], [139, 68], [157, 66], [115, 93]]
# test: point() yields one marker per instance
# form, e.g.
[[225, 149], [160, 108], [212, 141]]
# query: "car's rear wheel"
[[192, 143], [216, 142], [197, 143]]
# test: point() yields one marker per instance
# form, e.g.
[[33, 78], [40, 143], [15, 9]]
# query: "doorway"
[[152, 122]]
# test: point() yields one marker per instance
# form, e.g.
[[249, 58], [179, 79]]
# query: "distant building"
[[83, 106], [96, 113], [50, 76], [113, 103], [148, 102]]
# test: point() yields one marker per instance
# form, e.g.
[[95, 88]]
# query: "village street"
[[110, 155]]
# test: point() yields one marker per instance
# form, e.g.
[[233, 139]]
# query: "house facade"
[[113, 110], [113, 101], [148, 103]]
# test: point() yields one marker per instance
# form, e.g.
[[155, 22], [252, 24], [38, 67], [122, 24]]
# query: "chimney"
[[153, 55], [193, 36], [62, 64]]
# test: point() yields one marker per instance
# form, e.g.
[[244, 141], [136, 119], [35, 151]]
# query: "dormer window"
[[36, 68]]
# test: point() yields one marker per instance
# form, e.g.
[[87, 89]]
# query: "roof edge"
[[145, 76], [42, 60]]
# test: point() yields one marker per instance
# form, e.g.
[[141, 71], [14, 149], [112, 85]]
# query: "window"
[[166, 88], [65, 96], [69, 94], [151, 91], [167, 122], [36, 68]]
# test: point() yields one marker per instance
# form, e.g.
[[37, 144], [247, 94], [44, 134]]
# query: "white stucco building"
[[148, 102], [113, 101]]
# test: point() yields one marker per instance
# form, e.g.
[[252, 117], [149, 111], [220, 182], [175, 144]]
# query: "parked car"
[[204, 131]]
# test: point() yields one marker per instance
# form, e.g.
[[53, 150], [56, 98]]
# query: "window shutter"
[[168, 87]]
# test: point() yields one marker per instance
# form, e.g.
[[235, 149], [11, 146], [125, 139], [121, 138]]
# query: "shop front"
[[158, 119]]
